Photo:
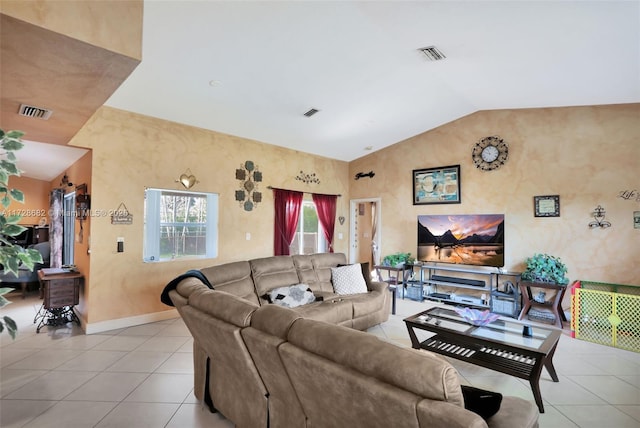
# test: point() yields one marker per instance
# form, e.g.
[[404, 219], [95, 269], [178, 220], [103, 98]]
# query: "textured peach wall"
[[587, 155], [113, 25], [132, 152]]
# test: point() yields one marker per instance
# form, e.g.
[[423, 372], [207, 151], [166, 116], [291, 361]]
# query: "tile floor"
[[142, 377]]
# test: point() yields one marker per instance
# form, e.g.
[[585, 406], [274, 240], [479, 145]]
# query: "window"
[[309, 238], [180, 225]]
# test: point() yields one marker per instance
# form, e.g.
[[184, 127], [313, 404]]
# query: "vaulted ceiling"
[[252, 69]]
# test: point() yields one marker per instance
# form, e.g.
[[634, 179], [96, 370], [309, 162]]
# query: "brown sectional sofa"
[[262, 365]]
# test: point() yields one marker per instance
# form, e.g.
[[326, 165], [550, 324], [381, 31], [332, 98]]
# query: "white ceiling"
[[252, 69], [357, 62], [46, 161]]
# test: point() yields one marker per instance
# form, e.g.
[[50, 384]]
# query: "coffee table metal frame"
[[516, 355]]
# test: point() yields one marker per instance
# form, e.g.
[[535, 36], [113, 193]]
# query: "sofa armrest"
[[378, 286], [223, 306]]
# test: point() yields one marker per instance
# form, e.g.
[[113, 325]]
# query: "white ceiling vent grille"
[[37, 112], [432, 53], [311, 112]]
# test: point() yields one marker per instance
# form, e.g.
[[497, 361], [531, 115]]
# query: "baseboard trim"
[[99, 327]]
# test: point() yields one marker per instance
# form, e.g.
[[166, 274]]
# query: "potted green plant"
[[397, 259], [11, 256], [545, 268]]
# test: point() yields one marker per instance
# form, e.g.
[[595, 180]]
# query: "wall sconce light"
[[600, 222], [249, 176], [308, 178], [187, 179]]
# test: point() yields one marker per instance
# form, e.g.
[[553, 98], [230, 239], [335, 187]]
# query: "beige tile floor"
[[142, 377]]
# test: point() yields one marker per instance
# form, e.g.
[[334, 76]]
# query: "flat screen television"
[[469, 239]]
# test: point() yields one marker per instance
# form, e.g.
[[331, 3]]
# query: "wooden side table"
[[395, 278], [61, 292], [555, 305]]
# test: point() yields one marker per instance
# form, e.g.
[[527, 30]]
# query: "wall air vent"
[[311, 112], [432, 53], [37, 112]]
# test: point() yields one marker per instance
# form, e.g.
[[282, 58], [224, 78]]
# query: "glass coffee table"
[[503, 346]]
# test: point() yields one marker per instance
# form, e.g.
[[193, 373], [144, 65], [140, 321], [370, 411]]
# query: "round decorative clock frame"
[[490, 153]]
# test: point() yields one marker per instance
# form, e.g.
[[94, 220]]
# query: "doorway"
[[364, 230]]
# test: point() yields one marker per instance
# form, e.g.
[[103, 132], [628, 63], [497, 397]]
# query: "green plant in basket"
[[545, 268]]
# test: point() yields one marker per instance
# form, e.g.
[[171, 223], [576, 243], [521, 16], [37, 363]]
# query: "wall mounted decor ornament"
[[187, 179], [546, 206], [360, 175], [308, 178], [249, 177], [121, 215], [599, 221], [630, 195]]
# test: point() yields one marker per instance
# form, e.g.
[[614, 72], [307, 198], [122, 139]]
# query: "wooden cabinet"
[[60, 292]]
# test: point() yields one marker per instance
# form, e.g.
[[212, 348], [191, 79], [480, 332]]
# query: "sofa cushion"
[[306, 272], [234, 278], [335, 311], [348, 279], [322, 264], [292, 296], [414, 371], [273, 272], [366, 303]]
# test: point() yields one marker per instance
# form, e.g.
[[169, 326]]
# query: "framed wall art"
[[546, 206], [436, 185]]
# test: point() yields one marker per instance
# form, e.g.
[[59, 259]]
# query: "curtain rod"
[[277, 188]]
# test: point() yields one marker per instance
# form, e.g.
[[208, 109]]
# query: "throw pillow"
[[348, 279], [366, 273], [484, 403], [292, 296]]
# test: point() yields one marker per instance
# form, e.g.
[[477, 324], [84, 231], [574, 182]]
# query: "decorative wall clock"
[[490, 153]]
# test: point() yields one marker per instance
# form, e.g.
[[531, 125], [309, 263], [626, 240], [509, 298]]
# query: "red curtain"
[[326, 209], [287, 212]]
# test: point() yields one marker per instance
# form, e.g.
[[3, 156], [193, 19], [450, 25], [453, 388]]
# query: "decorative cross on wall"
[[249, 176]]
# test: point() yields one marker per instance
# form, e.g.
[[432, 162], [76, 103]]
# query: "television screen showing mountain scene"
[[465, 239]]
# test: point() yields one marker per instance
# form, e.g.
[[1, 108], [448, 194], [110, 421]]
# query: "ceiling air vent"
[[432, 53], [37, 112], [311, 112]]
